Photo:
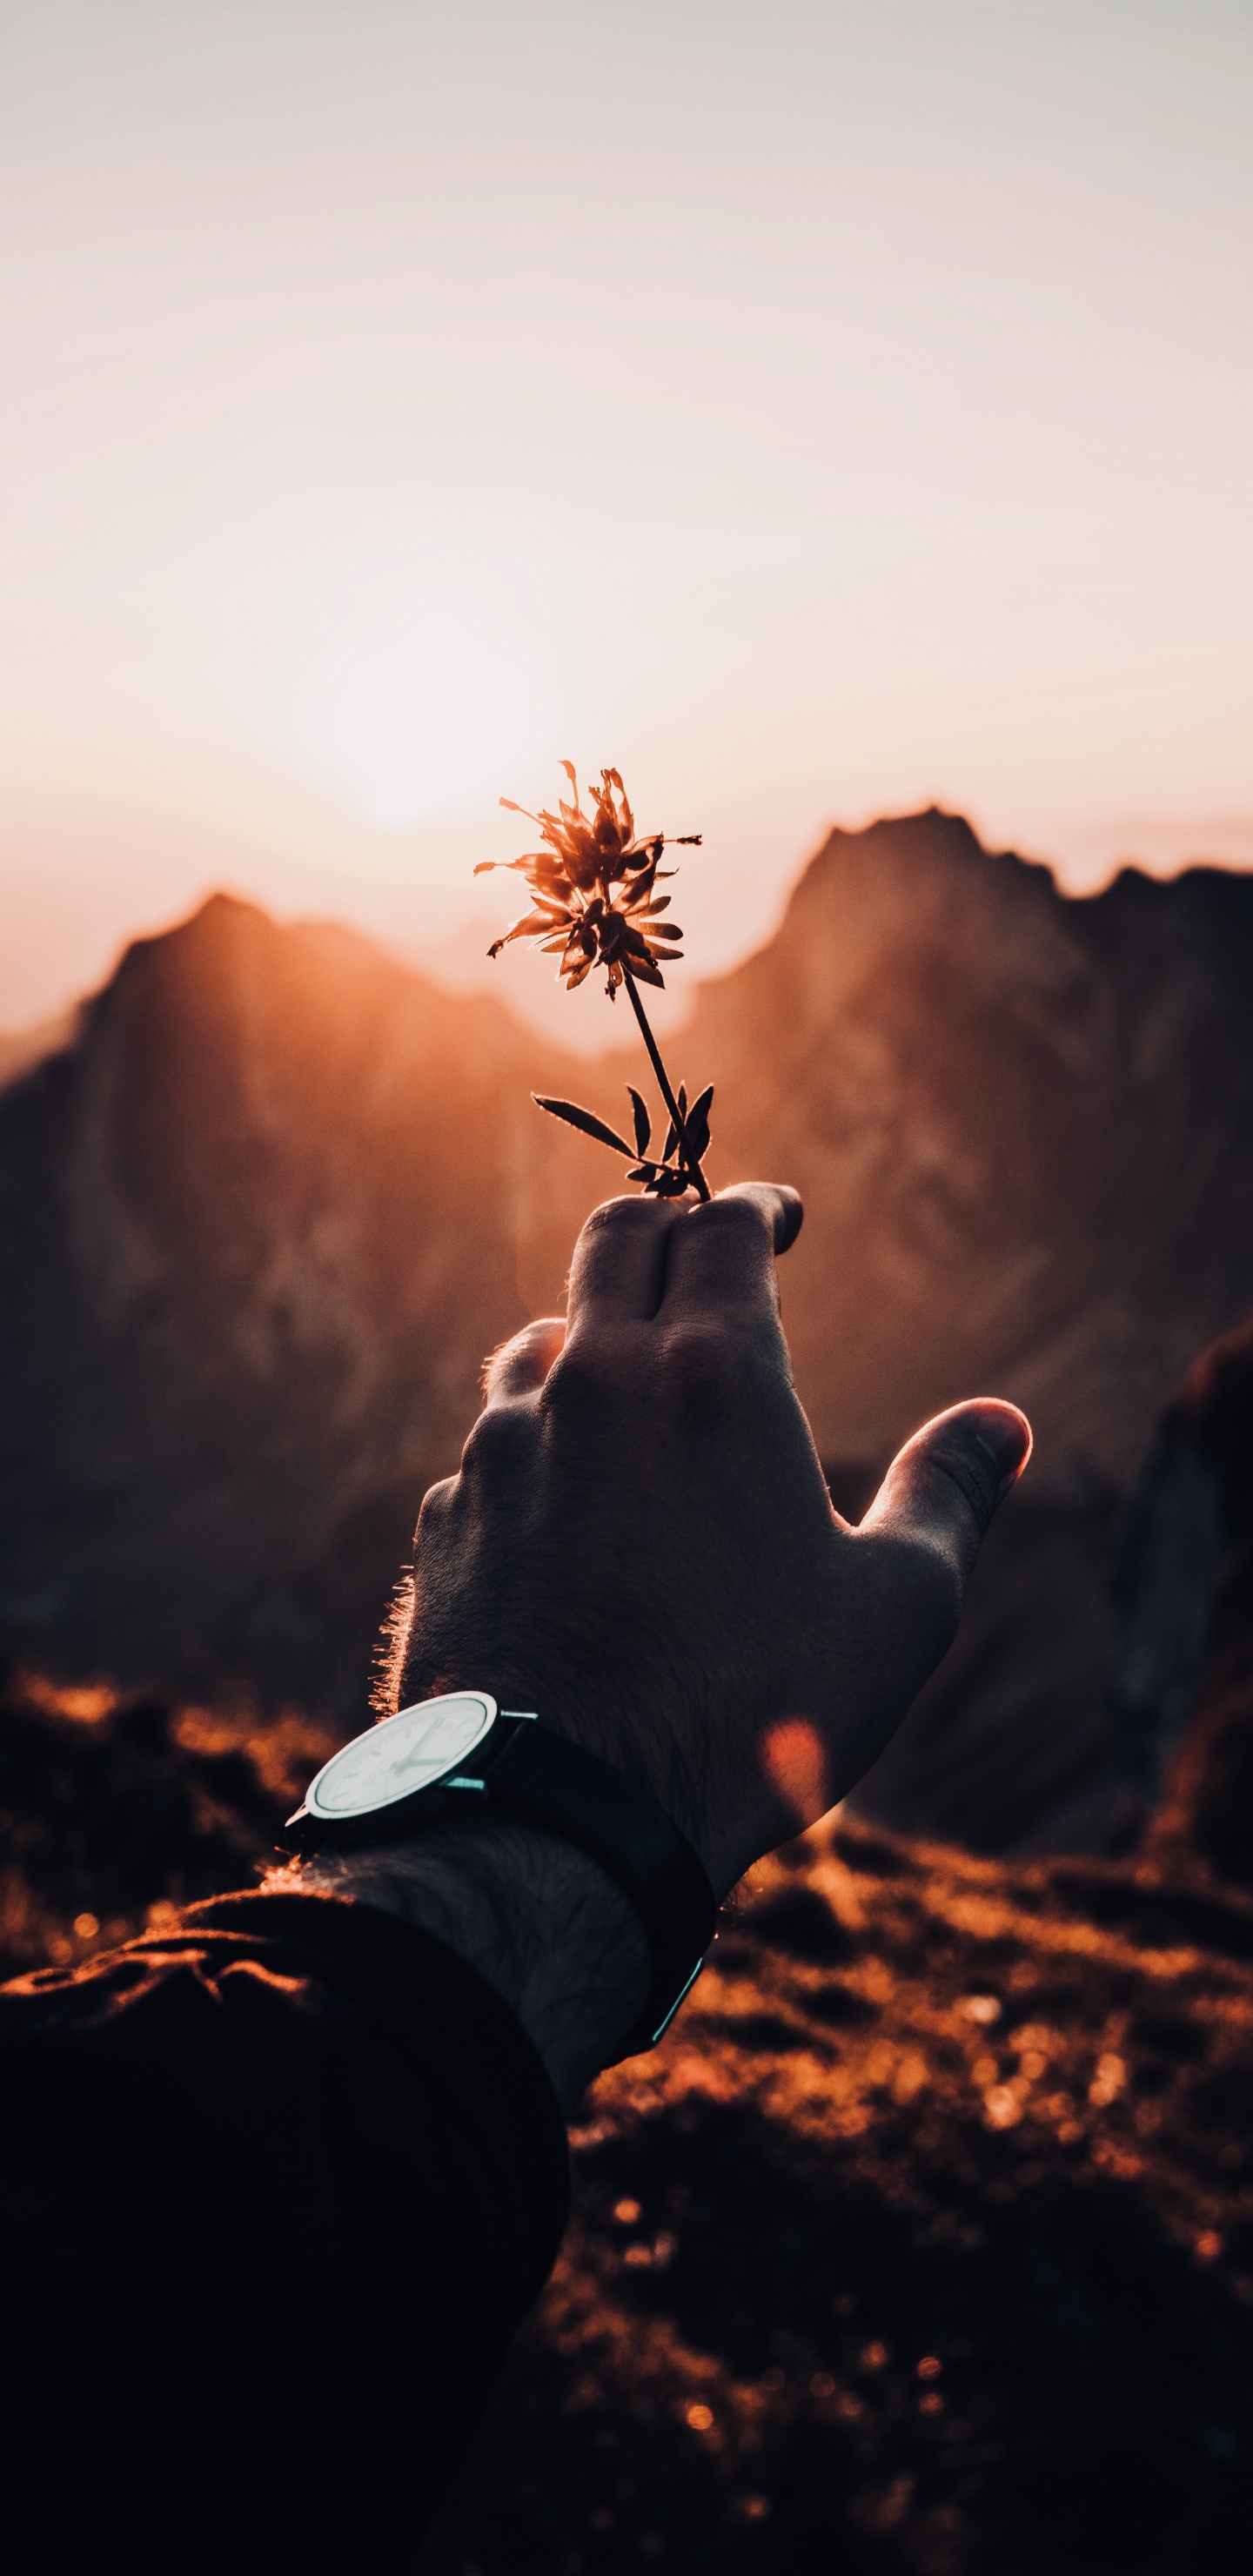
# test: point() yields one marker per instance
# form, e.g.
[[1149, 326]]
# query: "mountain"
[[263, 1215], [258, 1224], [1021, 1124]]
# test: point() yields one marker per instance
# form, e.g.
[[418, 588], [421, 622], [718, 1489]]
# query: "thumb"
[[943, 1487]]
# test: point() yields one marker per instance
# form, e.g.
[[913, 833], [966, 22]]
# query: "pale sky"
[[816, 409]]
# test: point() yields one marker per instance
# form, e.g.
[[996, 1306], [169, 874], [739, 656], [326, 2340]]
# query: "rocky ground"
[[927, 2245], [926, 2242]]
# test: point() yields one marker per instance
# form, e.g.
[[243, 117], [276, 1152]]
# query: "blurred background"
[[819, 411]]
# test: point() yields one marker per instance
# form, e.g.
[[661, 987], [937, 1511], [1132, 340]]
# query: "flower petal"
[[529, 925]]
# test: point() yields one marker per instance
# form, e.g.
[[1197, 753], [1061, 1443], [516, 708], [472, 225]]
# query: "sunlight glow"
[[416, 712], [816, 411]]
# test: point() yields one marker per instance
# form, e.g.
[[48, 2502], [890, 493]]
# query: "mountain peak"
[[280, 1196]]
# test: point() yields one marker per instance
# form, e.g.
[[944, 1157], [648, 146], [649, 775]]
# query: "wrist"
[[539, 1918], [459, 1755]]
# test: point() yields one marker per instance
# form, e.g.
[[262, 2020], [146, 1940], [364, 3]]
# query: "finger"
[[523, 1363], [722, 1254], [947, 1481], [619, 1261], [786, 1205]]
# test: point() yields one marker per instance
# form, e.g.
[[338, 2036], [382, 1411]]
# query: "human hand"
[[640, 1544]]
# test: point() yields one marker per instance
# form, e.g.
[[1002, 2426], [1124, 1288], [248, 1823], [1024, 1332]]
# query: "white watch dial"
[[403, 1754]]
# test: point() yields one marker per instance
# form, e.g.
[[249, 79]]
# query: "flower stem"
[[663, 1079]]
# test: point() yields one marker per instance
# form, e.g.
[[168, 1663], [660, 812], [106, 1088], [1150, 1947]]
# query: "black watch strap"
[[515, 1762], [542, 1776]]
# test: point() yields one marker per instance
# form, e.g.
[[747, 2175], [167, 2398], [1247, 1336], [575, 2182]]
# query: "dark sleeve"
[[276, 2191]]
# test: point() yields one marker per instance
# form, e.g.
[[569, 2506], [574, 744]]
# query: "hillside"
[[263, 1215], [259, 1225], [1021, 1124], [924, 2246]]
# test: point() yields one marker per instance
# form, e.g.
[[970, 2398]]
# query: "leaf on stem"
[[696, 1121], [585, 1122], [672, 1133], [643, 1123]]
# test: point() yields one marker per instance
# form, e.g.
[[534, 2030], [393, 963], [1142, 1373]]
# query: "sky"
[[815, 409]]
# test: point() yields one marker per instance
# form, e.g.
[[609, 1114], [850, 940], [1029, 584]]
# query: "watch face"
[[402, 1755]]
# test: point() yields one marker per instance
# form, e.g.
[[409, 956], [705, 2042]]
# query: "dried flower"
[[596, 903], [573, 883]]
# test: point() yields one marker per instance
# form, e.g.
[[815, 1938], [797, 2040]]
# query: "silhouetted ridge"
[[261, 1219]]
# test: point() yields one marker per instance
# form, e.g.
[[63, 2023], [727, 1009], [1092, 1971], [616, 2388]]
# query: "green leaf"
[[585, 1122], [643, 1123]]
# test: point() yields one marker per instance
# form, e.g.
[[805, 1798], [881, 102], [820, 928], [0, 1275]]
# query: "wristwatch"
[[462, 1752]]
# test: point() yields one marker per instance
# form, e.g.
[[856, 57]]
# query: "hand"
[[640, 1544]]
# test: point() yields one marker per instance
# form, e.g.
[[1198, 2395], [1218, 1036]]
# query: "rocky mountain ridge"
[[1029, 1114], [263, 1215]]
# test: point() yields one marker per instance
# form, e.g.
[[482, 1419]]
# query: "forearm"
[[327, 2179], [545, 1926]]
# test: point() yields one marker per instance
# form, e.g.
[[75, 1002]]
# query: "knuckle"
[[736, 1216], [497, 1363], [437, 1500], [737, 1240], [967, 1469], [523, 1358], [435, 1511], [621, 1216], [493, 1441], [590, 1363], [697, 1352]]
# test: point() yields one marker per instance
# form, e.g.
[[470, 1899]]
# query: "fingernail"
[[788, 1222], [1006, 1438]]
